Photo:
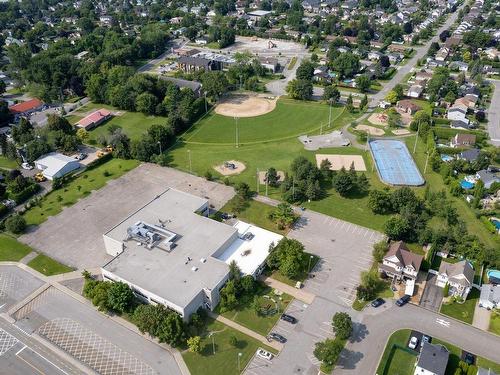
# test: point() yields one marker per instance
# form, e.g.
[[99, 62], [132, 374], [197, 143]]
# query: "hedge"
[[445, 133], [99, 161], [441, 121], [3, 209], [25, 194]]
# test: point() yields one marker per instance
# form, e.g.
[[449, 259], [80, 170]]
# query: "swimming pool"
[[466, 184], [394, 163], [495, 274], [446, 158], [496, 223]]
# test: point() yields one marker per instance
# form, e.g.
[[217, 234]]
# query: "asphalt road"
[[494, 115]]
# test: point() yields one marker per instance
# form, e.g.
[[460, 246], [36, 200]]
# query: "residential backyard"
[[79, 187], [397, 359], [6, 163], [462, 311], [225, 359]]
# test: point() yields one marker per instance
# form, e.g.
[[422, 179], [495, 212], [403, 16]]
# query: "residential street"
[[494, 115]]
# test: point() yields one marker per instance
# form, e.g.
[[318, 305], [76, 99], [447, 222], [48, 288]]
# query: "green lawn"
[[255, 213], [276, 274], [384, 292], [6, 163], [48, 266], [462, 311], [495, 322], [398, 338], [134, 124], [288, 120], [225, 359], [401, 362], [11, 249], [78, 188], [246, 315]]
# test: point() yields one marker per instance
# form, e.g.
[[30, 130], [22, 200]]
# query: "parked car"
[[9, 203], [81, 156], [413, 343], [288, 318], [403, 300], [469, 358], [277, 337], [264, 354], [27, 166], [377, 302], [425, 339]]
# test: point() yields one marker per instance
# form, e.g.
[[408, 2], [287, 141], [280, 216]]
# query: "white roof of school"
[[54, 162], [249, 255]]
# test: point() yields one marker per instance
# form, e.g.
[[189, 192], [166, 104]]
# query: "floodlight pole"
[[416, 138], [258, 181], [330, 114], [309, 267], [239, 364], [190, 165], [236, 120], [159, 144], [426, 160]]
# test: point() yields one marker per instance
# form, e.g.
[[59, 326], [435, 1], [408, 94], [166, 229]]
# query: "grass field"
[[397, 338], [134, 124], [48, 266], [288, 120], [384, 292], [225, 359], [245, 314], [80, 187], [11, 249], [495, 322], [462, 311], [6, 163]]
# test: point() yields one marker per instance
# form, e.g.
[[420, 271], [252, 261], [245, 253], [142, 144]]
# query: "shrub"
[[15, 224]]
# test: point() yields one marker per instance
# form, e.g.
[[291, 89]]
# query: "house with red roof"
[[26, 108], [94, 119]]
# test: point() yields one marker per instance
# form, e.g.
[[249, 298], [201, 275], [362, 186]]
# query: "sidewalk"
[[274, 344], [299, 294]]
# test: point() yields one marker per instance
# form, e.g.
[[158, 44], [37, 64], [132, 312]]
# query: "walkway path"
[[273, 344], [28, 258], [299, 294]]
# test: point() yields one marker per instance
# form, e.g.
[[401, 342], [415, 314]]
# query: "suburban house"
[[171, 253], [461, 140], [458, 112], [459, 276], [442, 54], [94, 119], [488, 177], [433, 360], [25, 108], [469, 155], [55, 165], [415, 91], [407, 106], [194, 86], [460, 124], [400, 263], [490, 296], [270, 63]]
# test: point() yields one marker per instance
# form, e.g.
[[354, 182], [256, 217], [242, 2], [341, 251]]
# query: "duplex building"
[[169, 252], [459, 277]]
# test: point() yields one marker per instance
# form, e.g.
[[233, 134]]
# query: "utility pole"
[[330, 114], [236, 120], [258, 180], [190, 165], [426, 160], [416, 138]]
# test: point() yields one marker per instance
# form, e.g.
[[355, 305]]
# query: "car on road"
[[377, 302], [425, 339], [413, 343], [277, 337], [264, 354], [403, 300], [288, 318], [27, 166]]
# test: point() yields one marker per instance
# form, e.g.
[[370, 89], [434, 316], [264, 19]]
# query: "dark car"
[[377, 302], [403, 300], [288, 318], [277, 337], [425, 339], [469, 358]]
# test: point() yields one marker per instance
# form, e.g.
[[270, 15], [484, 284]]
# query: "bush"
[[15, 224], [379, 250], [99, 161], [3, 209], [342, 325], [25, 194]]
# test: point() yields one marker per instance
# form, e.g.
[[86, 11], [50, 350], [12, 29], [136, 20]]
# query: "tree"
[[305, 71], [214, 83], [58, 123], [328, 351], [343, 183], [120, 297], [393, 118], [283, 215], [392, 97], [234, 271], [172, 329], [364, 102], [331, 93], [342, 325], [396, 228], [233, 341], [379, 250], [349, 104], [326, 169], [272, 177], [379, 201], [194, 344], [15, 224], [288, 256], [346, 64], [4, 112], [228, 299], [363, 83], [3, 86], [146, 103], [300, 89]]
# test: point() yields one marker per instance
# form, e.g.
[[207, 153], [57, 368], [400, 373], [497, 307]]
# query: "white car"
[[413, 343], [264, 354], [27, 166]]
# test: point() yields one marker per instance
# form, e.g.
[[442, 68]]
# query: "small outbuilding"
[[55, 165]]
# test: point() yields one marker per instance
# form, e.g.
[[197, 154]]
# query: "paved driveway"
[[433, 295], [494, 115]]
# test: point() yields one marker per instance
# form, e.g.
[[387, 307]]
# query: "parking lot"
[[78, 229], [15, 285]]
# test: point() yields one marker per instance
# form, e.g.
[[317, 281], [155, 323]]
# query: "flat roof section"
[[250, 254], [169, 273]]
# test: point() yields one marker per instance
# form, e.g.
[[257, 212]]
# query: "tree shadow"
[[359, 332], [348, 359], [208, 349], [241, 344]]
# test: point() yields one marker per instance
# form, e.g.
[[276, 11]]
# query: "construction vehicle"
[[109, 148], [100, 154], [39, 177]]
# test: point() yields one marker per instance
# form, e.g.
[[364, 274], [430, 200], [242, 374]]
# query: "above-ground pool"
[[394, 163], [494, 276], [496, 223], [466, 184]]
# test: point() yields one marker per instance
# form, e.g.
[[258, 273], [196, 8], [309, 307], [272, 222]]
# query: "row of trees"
[[328, 351]]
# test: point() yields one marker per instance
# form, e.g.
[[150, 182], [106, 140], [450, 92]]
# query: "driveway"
[[494, 115], [433, 295]]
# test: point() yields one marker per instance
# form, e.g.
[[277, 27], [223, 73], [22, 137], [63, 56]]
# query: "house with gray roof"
[[459, 276], [432, 360], [469, 155], [195, 86], [488, 177], [490, 296]]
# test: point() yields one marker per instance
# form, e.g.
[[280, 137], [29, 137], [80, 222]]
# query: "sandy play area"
[[370, 129], [245, 105], [378, 119], [401, 132], [339, 161], [227, 171], [262, 177]]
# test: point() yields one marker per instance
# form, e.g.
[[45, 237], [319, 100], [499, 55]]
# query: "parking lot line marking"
[[20, 350], [343, 224]]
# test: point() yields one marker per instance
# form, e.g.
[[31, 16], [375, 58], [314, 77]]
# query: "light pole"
[[211, 334], [159, 144], [236, 122], [310, 260], [330, 113], [190, 165], [239, 365]]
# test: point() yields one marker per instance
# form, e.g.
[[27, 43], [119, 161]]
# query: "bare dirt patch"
[[370, 129], [226, 170], [339, 161], [401, 132], [378, 119], [262, 177], [245, 105]]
